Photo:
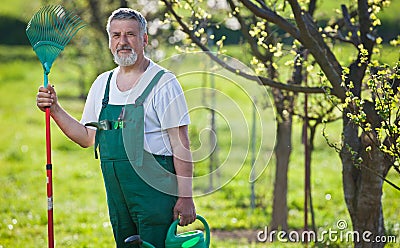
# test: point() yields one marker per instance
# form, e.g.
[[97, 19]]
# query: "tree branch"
[[260, 80], [96, 18], [338, 36], [246, 33], [273, 17], [353, 29], [312, 6], [312, 39], [367, 39]]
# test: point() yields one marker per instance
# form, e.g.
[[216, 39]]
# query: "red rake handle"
[[49, 170], [48, 137]]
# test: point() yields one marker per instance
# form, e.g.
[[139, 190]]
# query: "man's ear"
[[145, 40]]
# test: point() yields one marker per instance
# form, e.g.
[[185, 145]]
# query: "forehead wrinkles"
[[118, 26]]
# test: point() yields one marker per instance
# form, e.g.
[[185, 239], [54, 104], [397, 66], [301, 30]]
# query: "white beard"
[[125, 60]]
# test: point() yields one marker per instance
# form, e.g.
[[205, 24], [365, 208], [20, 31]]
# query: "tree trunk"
[[362, 187], [283, 149], [123, 4]]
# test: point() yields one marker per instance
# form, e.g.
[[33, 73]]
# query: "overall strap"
[[106, 97], [146, 92], [104, 104]]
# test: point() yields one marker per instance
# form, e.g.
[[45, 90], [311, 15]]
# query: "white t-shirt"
[[165, 107]]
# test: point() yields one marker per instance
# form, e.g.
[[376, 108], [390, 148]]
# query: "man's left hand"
[[185, 210]]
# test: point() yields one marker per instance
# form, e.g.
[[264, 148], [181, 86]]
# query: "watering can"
[[190, 239]]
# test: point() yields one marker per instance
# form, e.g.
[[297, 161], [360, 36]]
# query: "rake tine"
[[74, 23], [75, 29], [55, 19], [43, 23], [61, 14], [65, 15], [68, 28], [59, 26]]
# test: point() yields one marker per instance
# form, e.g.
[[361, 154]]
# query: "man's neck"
[[128, 76], [139, 67]]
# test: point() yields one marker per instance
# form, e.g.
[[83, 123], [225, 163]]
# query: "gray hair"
[[126, 14]]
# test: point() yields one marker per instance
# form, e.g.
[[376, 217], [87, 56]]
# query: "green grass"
[[80, 212], [22, 10], [23, 220]]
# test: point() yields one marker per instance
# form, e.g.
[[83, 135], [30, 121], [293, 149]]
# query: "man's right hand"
[[46, 97]]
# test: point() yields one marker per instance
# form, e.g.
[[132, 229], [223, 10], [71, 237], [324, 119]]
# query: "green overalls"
[[135, 205]]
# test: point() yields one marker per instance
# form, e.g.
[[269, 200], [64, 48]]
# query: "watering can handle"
[[174, 225]]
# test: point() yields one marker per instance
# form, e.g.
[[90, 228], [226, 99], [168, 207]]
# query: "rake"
[[49, 31]]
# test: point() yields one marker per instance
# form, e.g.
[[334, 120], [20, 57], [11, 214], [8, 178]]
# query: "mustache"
[[124, 48]]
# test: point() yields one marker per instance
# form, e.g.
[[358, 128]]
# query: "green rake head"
[[49, 31]]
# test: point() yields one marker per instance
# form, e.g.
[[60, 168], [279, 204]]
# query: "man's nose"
[[123, 39]]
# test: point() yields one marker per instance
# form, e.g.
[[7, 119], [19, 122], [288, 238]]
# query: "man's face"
[[126, 43]]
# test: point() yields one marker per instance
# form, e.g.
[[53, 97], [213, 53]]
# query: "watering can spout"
[[190, 239]]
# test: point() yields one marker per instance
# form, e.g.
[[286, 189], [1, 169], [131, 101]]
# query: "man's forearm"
[[77, 132], [184, 174], [183, 164]]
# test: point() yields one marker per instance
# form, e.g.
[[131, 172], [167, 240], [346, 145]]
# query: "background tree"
[[364, 166]]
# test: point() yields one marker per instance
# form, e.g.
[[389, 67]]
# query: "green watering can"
[[190, 239]]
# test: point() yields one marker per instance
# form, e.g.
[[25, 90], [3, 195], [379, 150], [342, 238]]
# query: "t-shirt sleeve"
[[90, 111], [170, 104]]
